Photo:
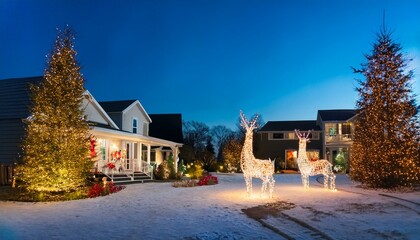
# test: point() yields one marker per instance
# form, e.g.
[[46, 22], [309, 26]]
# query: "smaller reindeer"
[[311, 168], [252, 167]]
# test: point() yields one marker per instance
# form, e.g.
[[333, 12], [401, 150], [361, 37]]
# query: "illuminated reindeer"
[[311, 168], [251, 167]]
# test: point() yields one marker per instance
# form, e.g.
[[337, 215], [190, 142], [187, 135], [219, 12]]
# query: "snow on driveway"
[[160, 211]]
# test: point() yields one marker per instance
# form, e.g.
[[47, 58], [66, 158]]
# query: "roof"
[[116, 106], [273, 126], [15, 97], [166, 126], [336, 115]]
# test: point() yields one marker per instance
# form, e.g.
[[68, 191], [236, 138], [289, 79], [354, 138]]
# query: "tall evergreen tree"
[[55, 148], [386, 137]]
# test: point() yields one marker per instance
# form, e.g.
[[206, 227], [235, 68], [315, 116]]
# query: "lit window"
[[291, 135]]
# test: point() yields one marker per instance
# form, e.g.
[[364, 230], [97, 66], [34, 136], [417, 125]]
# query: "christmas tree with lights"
[[386, 135], [56, 144]]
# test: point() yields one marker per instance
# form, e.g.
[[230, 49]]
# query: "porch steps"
[[139, 177]]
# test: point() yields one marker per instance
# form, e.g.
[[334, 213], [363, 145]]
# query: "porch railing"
[[121, 170], [338, 138], [147, 169]]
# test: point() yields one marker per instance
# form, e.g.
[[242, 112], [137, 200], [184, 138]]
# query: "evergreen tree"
[[232, 154], [386, 137], [55, 148]]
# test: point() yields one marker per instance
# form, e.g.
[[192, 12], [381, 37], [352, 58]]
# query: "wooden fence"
[[6, 174]]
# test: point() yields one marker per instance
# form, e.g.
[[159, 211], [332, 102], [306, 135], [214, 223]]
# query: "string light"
[[56, 145], [311, 168], [252, 167], [386, 144]]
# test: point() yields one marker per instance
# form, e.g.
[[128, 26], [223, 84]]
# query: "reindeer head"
[[303, 137], [248, 126]]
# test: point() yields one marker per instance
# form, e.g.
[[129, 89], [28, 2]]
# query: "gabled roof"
[[116, 106], [274, 126], [15, 100], [99, 109], [123, 106], [336, 115], [166, 126]]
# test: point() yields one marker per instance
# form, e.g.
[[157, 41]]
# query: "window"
[[291, 135], [315, 135], [291, 159], [278, 135], [145, 129], [346, 128], [135, 125], [331, 129], [313, 155], [282, 136]]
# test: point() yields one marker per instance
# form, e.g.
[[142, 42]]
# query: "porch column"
[[148, 153], [175, 152], [140, 156]]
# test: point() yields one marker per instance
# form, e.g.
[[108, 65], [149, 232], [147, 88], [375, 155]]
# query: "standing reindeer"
[[252, 167], [308, 168]]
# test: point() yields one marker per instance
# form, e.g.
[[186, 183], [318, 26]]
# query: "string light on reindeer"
[[252, 167], [311, 168]]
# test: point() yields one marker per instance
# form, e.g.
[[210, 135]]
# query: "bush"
[[166, 171], [162, 172], [208, 180], [185, 183], [195, 170], [98, 189]]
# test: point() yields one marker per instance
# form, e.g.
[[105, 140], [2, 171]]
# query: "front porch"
[[129, 157]]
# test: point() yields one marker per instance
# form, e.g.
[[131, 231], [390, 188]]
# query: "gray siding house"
[[14, 108], [331, 139]]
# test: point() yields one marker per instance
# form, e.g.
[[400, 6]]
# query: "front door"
[[132, 155]]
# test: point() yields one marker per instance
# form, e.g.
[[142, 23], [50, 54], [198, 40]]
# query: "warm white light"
[[311, 168], [252, 167]]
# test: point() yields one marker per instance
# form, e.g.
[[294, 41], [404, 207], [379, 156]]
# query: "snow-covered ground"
[[160, 211]]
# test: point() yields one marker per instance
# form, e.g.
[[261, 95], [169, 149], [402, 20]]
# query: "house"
[[120, 131], [166, 126], [331, 139], [277, 140]]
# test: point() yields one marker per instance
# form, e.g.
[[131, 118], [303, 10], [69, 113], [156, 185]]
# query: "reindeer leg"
[[332, 181], [264, 185], [305, 181], [272, 181], [326, 177], [248, 187]]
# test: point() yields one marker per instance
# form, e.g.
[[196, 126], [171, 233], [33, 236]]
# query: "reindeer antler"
[[302, 135], [244, 121]]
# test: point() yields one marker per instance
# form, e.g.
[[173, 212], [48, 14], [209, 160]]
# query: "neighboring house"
[[331, 139], [338, 128], [166, 126], [277, 140], [120, 130], [14, 107]]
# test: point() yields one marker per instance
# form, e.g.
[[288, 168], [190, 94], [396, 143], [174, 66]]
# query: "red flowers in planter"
[[208, 180]]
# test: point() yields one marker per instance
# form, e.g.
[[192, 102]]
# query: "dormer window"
[[135, 125]]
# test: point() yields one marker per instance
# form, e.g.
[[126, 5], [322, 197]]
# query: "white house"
[[119, 129]]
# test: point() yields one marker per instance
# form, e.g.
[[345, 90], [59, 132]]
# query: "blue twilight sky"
[[207, 59]]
